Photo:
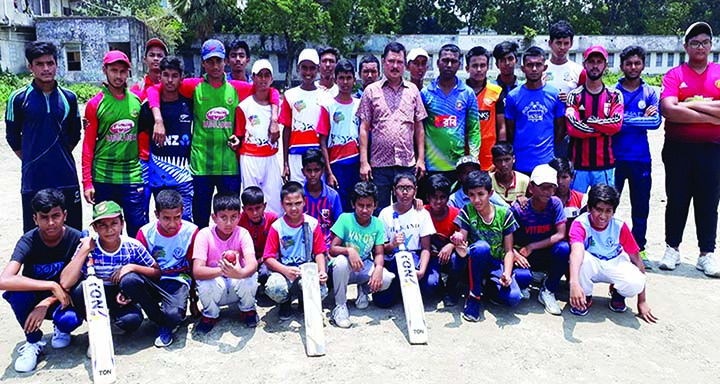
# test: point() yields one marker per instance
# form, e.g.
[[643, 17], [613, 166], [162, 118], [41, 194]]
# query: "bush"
[[84, 91], [611, 78], [10, 82]]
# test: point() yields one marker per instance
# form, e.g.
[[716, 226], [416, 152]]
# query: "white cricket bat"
[[98, 318], [410, 289], [312, 304]]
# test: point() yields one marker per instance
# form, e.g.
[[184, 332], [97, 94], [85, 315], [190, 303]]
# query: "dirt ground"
[[510, 345]]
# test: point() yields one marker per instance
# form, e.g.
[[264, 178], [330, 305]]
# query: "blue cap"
[[212, 48]]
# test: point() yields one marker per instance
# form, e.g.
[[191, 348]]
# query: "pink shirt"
[[209, 247], [604, 244]]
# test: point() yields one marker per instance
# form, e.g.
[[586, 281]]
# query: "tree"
[[203, 18]]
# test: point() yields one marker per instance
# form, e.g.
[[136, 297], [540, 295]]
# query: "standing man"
[[328, 60], [42, 128], [451, 128], [630, 145], [690, 102], [417, 61], [594, 113], [155, 51], [491, 108], [506, 58], [534, 115], [237, 59], [369, 72], [563, 74], [392, 112]]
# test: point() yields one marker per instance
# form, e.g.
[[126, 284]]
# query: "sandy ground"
[[510, 345]]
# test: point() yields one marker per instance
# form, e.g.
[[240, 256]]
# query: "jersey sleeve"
[[336, 206], [427, 227], [13, 118], [559, 211], [272, 244], [671, 84], [577, 233], [323, 126], [472, 125], [575, 126], [201, 247], [510, 108], [627, 240], [246, 242], [240, 123], [319, 245], [88, 150], [500, 106], [611, 124], [509, 223], [142, 256], [339, 229], [379, 232], [285, 117], [141, 238], [146, 121]]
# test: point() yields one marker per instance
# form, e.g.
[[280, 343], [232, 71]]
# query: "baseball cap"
[[260, 65], [415, 52], [595, 49], [212, 48], [467, 160], [544, 173], [155, 42], [696, 29], [106, 210], [310, 55], [114, 57]]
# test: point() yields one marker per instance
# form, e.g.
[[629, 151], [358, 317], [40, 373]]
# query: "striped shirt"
[[326, 208], [106, 263]]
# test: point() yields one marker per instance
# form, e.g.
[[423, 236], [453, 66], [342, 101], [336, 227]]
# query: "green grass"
[[10, 82]]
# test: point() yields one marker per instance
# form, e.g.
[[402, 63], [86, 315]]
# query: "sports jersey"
[[110, 146], [326, 208], [247, 78], [604, 244], [209, 247], [444, 228], [45, 128], [258, 232], [170, 164], [413, 224], [534, 112], [564, 77], [537, 226], [140, 90], [287, 243], [340, 124], [489, 106], [107, 263], [170, 252], [494, 232], [41, 262], [591, 121], [300, 110], [687, 85], [253, 125], [631, 143], [361, 238]]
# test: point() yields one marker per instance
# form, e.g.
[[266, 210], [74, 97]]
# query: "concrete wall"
[[93, 36]]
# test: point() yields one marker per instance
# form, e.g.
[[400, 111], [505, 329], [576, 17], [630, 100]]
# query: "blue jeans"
[[22, 303], [586, 179], [131, 198], [428, 284], [485, 272], [347, 174], [186, 192], [383, 178], [638, 176], [203, 189], [553, 261]]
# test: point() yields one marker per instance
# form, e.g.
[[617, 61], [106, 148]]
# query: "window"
[[671, 59], [716, 56], [40, 7], [611, 60], [73, 57], [123, 47], [658, 59], [573, 56]]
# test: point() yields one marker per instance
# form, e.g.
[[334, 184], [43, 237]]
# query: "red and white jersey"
[[300, 110], [253, 125]]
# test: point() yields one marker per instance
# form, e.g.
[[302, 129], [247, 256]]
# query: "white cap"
[[415, 52], [261, 64], [696, 29], [544, 173], [310, 55]]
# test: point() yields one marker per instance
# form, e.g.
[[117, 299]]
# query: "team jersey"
[[536, 226], [489, 106], [170, 164], [300, 110], [258, 232], [604, 244], [451, 126], [253, 125], [46, 128], [494, 232], [110, 148], [413, 224], [591, 121], [565, 77], [631, 143], [107, 263], [140, 90], [326, 208], [171, 252], [518, 187], [287, 243], [445, 228], [340, 124]]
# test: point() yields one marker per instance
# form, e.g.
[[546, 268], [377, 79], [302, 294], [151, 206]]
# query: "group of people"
[[494, 186]]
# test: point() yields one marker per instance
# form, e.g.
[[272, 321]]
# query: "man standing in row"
[[417, 63], [237, 59], [369, 73]]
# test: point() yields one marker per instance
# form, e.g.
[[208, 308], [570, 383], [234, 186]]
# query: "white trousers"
[[265, 173], [626, 277], [220, 291]]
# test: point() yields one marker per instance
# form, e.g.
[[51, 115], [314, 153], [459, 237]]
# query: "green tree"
[[203, 18]]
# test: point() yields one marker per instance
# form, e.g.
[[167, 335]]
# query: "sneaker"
[[450, 300], [206, 324], [710, 264], [473, 309], [525, 293], [646, 262], [362, 300], [164, 337], [341, 317], [250, 318], [547, 299], [617, 302], [285, 310], [670, 260], [60, 339], [582, 312], [28, 352]]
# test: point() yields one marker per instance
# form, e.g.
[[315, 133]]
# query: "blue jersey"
[[631, 143]]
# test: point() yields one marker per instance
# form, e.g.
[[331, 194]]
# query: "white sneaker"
[[362, 300], [670, 259], [547, 299], [525, 293], [60, 339], [710, 264], [29, 352], [341, 317]]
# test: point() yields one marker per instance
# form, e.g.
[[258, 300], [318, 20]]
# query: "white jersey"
[[564, 77]]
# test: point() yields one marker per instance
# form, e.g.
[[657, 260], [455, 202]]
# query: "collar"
[[501, 83], [435, 84], [484, 85], [512, 185], [323, 194], [386, 83], [622, 80], [38, 89]]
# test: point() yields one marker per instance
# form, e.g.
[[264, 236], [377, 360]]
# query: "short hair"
[[477, 179], [330, 50], [35, 49], [344, 66], [289, 188], [313, 155], [239, 44], [503, 49], [394, 47], [369, 59], [477, 51], [502, 148], [560, 30], [451, 48], [438, 182], [168, 199], [252, 196], [226, 202], [404, 175], [364, 189], [47, 199], [172, 63], [562, 165], [533, 51], [603, 193], [630, 51]]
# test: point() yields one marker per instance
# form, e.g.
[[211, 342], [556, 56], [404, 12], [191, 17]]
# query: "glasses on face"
[[697, 44], [405, 188]]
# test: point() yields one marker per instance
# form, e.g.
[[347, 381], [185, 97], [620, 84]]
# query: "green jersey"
[[494, 232]]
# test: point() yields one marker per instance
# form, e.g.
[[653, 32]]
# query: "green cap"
[[106, 210]]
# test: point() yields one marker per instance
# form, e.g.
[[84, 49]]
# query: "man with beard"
[[594, 113]]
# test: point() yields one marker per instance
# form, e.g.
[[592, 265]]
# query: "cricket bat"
[[312, 304], [98, 318], [410, 289]]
